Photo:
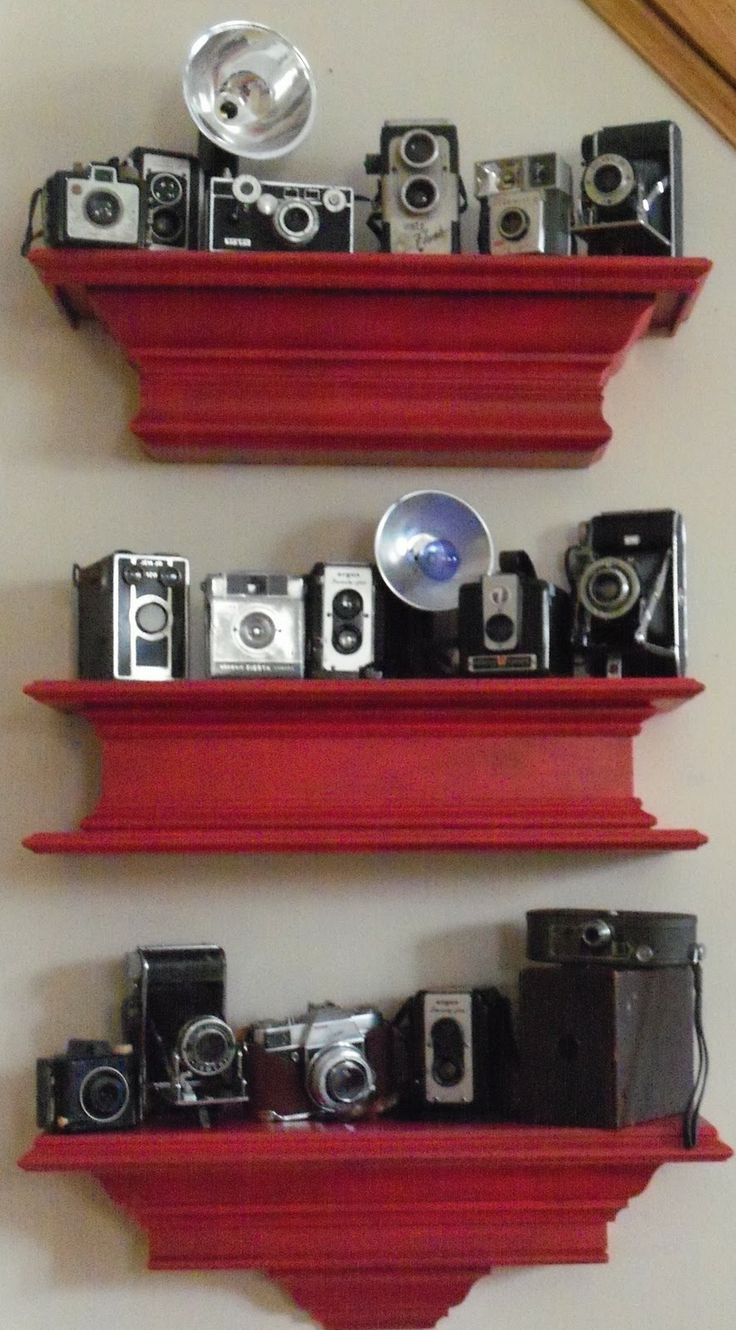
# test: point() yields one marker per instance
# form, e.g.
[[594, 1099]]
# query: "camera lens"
[[447, 1044], [165, 188], [499, 628], [419, 194], [419, 147], [347, 1083], [609, 588], [513, 223], [102, 207], [296, 222], [152, 617], [206, 1046], [607, 178], [257, 630], [347, 604], [339, 1078], [596, 935], [166, 225], [295, 219], [104, 1094], [347, 639]]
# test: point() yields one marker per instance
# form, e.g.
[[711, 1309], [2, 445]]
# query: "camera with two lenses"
[[420, 193]]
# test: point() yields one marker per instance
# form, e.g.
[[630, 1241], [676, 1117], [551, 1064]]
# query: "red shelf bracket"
[[435, 764]]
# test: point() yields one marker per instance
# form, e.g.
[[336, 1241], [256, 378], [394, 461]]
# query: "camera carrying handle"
[[692, 1108], [648, 611]]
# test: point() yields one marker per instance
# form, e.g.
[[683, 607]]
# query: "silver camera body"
[[525, 204], [271, 215], [255, 625], [418, 205], [91, 206]]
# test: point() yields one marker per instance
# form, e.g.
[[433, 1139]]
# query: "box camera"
[[628, 580], [255, 625], [92, 206], [173, 184], [420, 193], [246, 213], [525, 205], [511, 623], [631, 190], [91, 1087], [459, 1050], [173, 1014], [611, 937], [328, 1062], [133, 616], [344, 621]]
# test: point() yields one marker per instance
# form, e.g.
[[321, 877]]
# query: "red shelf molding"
[[374, 1225], [454, 360], [233, 765]]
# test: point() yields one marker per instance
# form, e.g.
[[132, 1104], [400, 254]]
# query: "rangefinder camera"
[[250, 214], [255, 625], [90, 205], [173, 192], [628, 579], [173, 1015], [513, 624], [329, 1062], [344, 621], [458, 1047], [133, 617], [420, 194], [525, 205], [619, 938], [90, 1087], [631, 190]]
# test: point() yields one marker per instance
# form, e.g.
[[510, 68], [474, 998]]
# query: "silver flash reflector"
[[427, 544], [249, 90]]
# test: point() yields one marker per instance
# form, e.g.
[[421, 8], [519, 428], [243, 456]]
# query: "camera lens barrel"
[[104, 1094]]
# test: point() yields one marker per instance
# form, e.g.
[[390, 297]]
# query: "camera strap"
[[692, 1110], [30, 234]]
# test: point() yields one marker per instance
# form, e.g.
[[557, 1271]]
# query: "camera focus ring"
[[206, 1046], [609, 588], [608, 180], [339, 1079]]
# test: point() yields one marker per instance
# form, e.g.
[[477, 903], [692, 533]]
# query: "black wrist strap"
[[692, 1110]]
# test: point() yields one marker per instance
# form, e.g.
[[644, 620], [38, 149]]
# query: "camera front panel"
[[133, 617], [343, 620], [277, 216], [81, 1094], [611, 937], [255, 625], [631, 190], [93, 209], [173, 197], [419, 192]]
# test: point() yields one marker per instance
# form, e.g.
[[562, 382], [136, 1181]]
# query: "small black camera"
[[247, 214], [91, 1087], [460, 1052], [513, 624], [420, 194], [133, 617], [173, 184], [631, 190], [91, 206], [173, 1015], [628, 580], [344, 621]]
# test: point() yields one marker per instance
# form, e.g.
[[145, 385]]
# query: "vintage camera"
[[133, 616], [255, 625], [173, 184], [631, 190], [460, 1052], [91, 1087], [344, 621], [92, 206], [329, 1062], [628, 580], [511, 623], [612, 937], [173, 1015], [246, 213], [420, 194], [525, 205]]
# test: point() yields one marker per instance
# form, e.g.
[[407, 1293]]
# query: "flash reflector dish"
[[427, 544]]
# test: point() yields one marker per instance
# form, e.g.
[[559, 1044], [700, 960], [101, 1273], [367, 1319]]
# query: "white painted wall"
[[84, 80]]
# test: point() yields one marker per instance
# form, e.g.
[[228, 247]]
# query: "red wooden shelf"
[[378, 1224], [373, 358], [233, 765]]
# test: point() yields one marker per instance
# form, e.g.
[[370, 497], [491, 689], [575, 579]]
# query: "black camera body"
[[624, 938], [629, 587], [247, 214], [459, 1052], [173, 184], [631, 190], [173, 1015], [133, 617], [512, 624], [328, 1062], [420, 193], [92, 206], [344, 621], [525, 204], [90, 1087]]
